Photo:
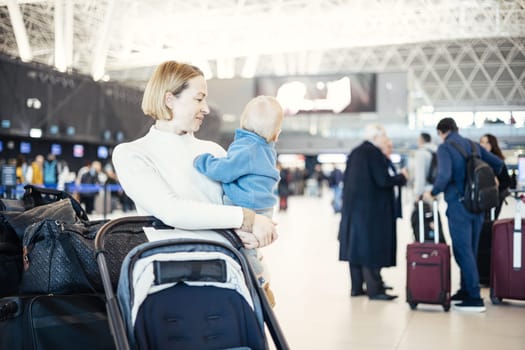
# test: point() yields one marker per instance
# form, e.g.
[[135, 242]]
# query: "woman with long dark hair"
[[490, 143], [483, 259]]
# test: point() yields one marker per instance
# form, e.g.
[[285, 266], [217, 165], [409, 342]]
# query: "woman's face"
[[189, 108], [484, 142]]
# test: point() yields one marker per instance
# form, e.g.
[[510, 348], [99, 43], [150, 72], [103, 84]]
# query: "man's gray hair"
[[373, 130]]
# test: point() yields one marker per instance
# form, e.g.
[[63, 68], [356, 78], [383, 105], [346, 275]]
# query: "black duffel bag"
[[12, 227], [54, 322], [59, 257]]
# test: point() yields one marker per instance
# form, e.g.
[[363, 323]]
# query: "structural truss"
[[456, 51]]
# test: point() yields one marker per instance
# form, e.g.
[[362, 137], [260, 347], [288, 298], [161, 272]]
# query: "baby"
[[248, 171]]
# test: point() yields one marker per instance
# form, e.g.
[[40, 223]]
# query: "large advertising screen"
[[334, 94]]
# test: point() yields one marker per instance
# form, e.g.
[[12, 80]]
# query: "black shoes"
[[471, 305], [459, 297], [382, 296], [357, 293]]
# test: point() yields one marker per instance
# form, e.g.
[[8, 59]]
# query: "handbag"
[[36, 196], [59, 257]]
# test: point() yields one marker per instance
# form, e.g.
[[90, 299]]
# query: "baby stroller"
[[195, 291]]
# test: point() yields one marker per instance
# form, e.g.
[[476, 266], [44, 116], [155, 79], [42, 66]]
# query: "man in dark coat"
[[367, 234]]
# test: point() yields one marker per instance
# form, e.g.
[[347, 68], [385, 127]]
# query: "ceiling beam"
[[68, 33], [20, 2], [19, 29], [98, 65], [60, 55]]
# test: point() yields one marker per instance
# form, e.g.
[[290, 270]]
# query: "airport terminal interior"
[[73, 74], [315, 310]]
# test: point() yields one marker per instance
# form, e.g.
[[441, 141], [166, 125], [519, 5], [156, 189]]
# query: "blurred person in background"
[[283, 187], [35, 173], [367, 233], [464, 226], [490, 143], [88, 193], [50, 171], [335, 181], [422, 160], [21, 169]]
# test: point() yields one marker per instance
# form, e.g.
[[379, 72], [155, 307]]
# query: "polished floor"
[[315, 310]]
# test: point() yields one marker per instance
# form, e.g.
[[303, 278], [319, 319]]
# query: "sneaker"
[[471, 305], [459, 297], [269, 294]]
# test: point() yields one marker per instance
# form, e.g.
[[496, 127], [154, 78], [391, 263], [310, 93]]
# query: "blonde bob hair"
[[170, 76], [263, 115]]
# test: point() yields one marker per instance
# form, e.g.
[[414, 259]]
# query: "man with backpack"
[[425, 165], [454, 157]]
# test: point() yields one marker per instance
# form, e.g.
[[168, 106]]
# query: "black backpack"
[[433, 168], [481, 190]]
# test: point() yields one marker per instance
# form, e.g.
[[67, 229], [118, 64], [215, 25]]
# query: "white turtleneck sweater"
[[157, 172]]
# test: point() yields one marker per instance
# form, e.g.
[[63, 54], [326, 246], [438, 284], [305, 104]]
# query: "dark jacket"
[[367, 234], [398, 210], [452, 166]]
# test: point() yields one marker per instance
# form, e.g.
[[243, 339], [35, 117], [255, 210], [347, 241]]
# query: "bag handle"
[[35, 196]]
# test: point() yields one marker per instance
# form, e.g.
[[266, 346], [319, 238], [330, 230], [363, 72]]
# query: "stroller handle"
[[228, 234], [146, 220]]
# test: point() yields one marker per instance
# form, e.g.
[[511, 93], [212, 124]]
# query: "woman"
[[156, 171], [483, 259], [490, 143]]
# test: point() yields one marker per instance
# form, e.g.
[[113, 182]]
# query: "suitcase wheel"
[[446, 307], [413, 306], [494, 299]]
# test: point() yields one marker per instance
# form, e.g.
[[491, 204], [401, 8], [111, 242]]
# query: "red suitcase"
[[507, 273], [428, 268]]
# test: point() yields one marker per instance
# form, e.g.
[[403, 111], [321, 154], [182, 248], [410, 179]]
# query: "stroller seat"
[[211, 318], [193, 290]]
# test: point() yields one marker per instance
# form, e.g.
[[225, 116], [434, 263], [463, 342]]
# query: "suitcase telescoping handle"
[[517, 236], [421, 214]]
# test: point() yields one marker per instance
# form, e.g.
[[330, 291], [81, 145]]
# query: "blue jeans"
[[465, 229]]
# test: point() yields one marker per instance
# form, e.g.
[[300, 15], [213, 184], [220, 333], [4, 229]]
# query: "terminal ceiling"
[[124, 39]]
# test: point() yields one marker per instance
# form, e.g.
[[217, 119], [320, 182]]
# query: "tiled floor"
[[315, 310]]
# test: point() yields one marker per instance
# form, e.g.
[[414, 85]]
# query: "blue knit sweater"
[[247, 173]]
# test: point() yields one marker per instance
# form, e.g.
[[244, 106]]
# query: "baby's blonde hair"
[[263, 115]]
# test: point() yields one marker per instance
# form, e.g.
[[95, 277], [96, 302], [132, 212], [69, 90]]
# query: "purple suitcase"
[[428, 268], [507, 273]]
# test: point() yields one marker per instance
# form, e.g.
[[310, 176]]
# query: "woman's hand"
[[264, 230], [248, 239]]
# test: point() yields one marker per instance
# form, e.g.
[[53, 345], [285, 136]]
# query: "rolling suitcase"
[[54, 322], [507, 279], [428, 221], [428, 268], [484, 248]]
